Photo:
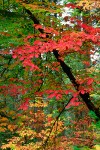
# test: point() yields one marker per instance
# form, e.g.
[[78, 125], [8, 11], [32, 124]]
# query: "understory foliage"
[[49, 75]]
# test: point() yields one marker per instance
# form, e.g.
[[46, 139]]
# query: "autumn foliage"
[[49, 83]]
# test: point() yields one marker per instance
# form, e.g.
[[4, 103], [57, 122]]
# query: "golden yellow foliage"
[[2, 129], [88, 4], [41, 6], [97, 147], [11, 127], [3, 119]]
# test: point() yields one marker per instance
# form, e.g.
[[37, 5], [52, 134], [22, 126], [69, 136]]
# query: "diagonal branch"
[[57, 118], [4, 70], [67, 70], [85, 97]]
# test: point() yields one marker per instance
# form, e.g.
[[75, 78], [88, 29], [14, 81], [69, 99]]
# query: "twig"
[[2, 73], [46, 141]]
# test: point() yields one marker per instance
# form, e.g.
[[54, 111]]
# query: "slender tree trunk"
[[67, 70]]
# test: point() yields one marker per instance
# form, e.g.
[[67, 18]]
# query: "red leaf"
[[42, 35], [71, 5], [52, 95], [38, 26], [86, 63], [90, 81], [59, 96], [75, 94], [14, 56], [37, 42], [51, 30], [24, 106], [66, 92], [77, 103], [73, 102], [82, 91], [49, 119]]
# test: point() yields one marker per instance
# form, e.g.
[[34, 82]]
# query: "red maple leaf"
[[90, 81], [73, 102], [38, 26], [24, 106], [70, 5]]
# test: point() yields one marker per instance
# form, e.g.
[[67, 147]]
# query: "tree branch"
[[85, 97], [2, 73], [46, 141]]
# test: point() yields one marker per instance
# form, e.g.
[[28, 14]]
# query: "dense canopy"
[[49, 75]]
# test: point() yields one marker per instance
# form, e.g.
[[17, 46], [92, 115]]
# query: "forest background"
[[49, 75]]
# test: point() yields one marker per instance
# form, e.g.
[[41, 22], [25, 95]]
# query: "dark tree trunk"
[[67, 70]]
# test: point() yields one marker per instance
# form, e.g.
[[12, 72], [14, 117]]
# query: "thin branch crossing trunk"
[[67, 70]]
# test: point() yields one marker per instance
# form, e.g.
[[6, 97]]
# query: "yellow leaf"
[[11, 127], [11, 113], [4, 119], [2, 129], [97, 147], [3, 124]]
